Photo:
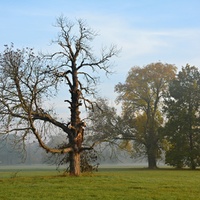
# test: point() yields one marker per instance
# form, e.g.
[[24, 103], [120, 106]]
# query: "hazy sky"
[[146, 30]]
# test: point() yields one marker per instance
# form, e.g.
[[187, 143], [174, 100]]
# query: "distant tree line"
[[13, 152]]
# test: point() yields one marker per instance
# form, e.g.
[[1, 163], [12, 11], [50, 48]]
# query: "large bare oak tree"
[[28, 81]]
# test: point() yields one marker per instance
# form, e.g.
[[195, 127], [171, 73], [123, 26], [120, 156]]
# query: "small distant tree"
[[141, 96], [105, 125], [110, 131], [182, 130], [27, 81]]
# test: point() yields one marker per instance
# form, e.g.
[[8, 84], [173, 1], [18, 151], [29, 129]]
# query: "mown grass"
[[116, 184]]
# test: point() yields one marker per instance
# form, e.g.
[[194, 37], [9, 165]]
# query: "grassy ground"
[[116, 184]]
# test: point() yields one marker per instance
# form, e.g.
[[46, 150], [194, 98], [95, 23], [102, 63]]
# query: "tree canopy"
[[141, 96], [182, 128]]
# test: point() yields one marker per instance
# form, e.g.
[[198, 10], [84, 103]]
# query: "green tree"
[[141, 96], [28, 81], [182, 130]]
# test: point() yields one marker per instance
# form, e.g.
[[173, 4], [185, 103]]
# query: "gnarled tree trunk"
[[75, 161]]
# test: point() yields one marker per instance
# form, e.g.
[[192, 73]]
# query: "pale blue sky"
[[146, 30]]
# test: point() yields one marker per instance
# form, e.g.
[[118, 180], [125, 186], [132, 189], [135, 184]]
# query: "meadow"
[[108, 183]]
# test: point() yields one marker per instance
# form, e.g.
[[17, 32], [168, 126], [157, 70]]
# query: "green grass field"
[[116, 184]]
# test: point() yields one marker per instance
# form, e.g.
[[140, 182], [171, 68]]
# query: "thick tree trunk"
[[152, 162], [152, 158], [75, 169]]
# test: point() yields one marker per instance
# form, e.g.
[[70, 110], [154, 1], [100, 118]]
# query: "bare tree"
[[28, 81]]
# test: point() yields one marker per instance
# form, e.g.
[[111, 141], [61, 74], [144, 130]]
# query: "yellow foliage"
[[126, 145]]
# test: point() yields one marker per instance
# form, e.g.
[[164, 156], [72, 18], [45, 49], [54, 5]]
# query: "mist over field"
[[36, 157], [39, 157]]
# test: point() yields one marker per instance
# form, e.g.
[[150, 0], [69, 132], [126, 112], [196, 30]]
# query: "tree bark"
[[75, 169], [151, 153], [152, 162]]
